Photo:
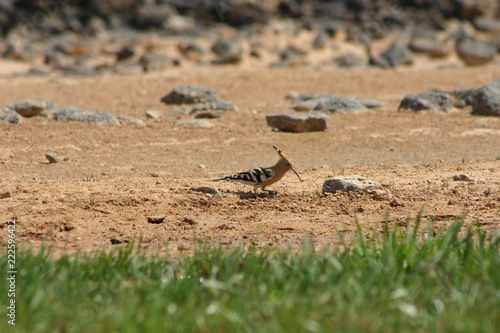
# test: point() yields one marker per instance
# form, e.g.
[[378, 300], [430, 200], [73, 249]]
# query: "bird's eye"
[[288, 164]]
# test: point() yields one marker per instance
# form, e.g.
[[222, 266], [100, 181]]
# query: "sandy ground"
[[112, 178]]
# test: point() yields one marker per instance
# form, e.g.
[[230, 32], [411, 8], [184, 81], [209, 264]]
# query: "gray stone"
[[10, 116], [462, 177], [298, 123], [432, 101], [433, 49], [340, 105], [371, 103], [486, 100], [474, 51], [320, 41], [52, 158], [397, 55], [221, 106], [349, 183], [131, 121], [328, 102], [190, 95], [204, 123], [486, 24], [189, 49], [126, 52], [206, 189], [72, 113], [154, 62], [208, 114], [349, 60], [37, 71], [77, 69], [229, 51], [153, 114], [304, 105], [292, 95]]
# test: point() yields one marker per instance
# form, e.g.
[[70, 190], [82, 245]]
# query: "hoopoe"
[[261, 177]]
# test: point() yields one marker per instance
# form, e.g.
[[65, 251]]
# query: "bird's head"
[[286, 162]]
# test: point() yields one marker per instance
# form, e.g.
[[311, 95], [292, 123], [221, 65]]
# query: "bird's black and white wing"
[[251, 177]]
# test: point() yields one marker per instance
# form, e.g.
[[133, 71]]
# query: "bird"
[[261, 177]]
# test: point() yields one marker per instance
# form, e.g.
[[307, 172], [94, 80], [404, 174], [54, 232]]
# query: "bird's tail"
[[220, 179]]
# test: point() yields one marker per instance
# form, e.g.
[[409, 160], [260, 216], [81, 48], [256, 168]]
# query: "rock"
[[433, 49], [116, 241], [68, 226], [156, 219], [462, 177], [190, 50], [380, 195], [190, 95], [190, 221], [221, 106], [292, 95], [349, 60], [72, 113], [77, 69], [328, 102], [131, 121], [378, 61], [52, 158], [10, 116], [4, 195], [37, 71], [320, 41], [207, 190], [204, 123], [475, 52], [304, 105], [153, 114], [31, 107], [486, 24], [298, 123], [154, 62], [126, 52], [208, 114], [486, 100], [432, 101], [463, 97], [229, 51], [349, 183], [340, 105], [397, 55], [371, 103]]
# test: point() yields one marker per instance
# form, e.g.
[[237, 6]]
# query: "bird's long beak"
[[297, 174]]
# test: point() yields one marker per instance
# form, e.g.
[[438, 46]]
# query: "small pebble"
[[52, 158]]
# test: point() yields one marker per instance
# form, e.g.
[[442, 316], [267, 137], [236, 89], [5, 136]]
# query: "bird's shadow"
[[250, 195]]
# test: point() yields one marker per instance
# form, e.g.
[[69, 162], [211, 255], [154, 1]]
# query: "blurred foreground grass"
[[400, 281]]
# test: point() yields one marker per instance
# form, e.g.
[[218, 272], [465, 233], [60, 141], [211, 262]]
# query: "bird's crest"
[[283, 155]]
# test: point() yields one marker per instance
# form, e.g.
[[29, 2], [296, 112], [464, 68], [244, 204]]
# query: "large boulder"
[[486, 100], [349, 183], [298, 123], [72, 113], [190, 95], [474, 51], [431, 101]]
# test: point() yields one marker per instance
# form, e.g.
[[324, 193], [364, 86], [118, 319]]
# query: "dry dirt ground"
[[111, 178]]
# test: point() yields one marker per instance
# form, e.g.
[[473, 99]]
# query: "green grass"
[[397, 282]]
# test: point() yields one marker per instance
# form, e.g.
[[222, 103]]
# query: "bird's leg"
[[255, 193], [271, 192]]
